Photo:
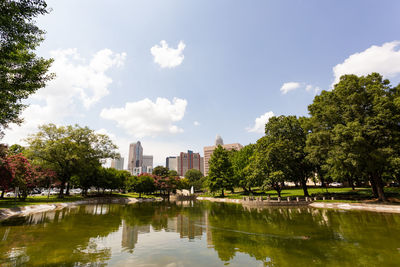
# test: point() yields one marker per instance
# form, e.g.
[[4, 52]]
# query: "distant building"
[[140, 170], [135, 155], [137, 162], [117, 163], [188, 161], [184, 162], [208, 150], [172, 163], [147, 161]]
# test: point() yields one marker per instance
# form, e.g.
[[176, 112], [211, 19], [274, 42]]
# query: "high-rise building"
[[135, 155], [118, 163], [147, 161], [184, 162], [208, 150], [188, 161], [139, 163], [172, 163]]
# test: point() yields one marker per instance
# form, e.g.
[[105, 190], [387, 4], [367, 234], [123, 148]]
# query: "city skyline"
[[162, 73]]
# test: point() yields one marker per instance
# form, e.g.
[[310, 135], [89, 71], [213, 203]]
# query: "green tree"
[[363, 116], [194, 178], [220, 175], [22, 73], [144, 184], [285, 141], [161, 171], [241, 160], [172, 173], [69, 149]]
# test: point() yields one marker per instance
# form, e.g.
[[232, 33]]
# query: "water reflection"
[[199, 233]]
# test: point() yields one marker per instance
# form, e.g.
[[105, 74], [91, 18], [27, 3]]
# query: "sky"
[[175, 73]]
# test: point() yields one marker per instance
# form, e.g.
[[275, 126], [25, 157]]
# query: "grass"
[[345, 194]]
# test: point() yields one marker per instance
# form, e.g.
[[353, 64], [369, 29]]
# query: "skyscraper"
[[118, 163], [135, 155], [139, 163], [171, 163], [188, 161]]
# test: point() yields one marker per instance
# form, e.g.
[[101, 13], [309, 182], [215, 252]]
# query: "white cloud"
[[383, 59], [148, 118], [168, 57], [290, 86], [312, 89], [76, 83], [259, 124], [196, 123]]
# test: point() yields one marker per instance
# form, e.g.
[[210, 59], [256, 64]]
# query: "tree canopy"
[[69, 150], [22, 72]]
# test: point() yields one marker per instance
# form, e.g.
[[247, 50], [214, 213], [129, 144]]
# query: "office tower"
[[172, 163], [208, 150], [147, 161], [139, 163], [188, 161], [135, 156], [118, 163]]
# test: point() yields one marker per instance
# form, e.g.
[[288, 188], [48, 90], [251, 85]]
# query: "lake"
[[200, 234]]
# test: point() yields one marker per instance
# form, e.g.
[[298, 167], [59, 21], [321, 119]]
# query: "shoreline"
[[387, 208], [26, 210]]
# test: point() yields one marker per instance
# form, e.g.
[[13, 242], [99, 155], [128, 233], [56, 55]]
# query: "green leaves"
[[70, 150], [21, 72], [220, 175]]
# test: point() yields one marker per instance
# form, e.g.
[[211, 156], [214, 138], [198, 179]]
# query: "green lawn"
[[344, 194]]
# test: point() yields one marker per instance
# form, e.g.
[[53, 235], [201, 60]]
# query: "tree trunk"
[[67, 191], [379, 187], [373, 186], [278, 190], [321, 178], [61, 195], [350, 181], [222, 193], [2, 193], [304, 186]]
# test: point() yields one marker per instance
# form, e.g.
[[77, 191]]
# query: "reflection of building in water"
[[188, 228], [208, 230], [130, 234]]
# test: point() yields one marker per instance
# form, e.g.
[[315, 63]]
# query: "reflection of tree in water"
[[60, 237], [298, 237]]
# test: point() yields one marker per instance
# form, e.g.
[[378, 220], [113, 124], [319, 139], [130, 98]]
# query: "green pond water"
[[200, 234]]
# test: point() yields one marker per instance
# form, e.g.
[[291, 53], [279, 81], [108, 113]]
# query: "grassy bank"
[[340, 194]]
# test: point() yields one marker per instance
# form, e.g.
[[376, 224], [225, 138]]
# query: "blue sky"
[[237, 61]]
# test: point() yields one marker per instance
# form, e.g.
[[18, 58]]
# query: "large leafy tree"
[[21, 72], [284, 150], [194, 178], [220, 175], [69, 149], [241, 160], [362, 114]]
